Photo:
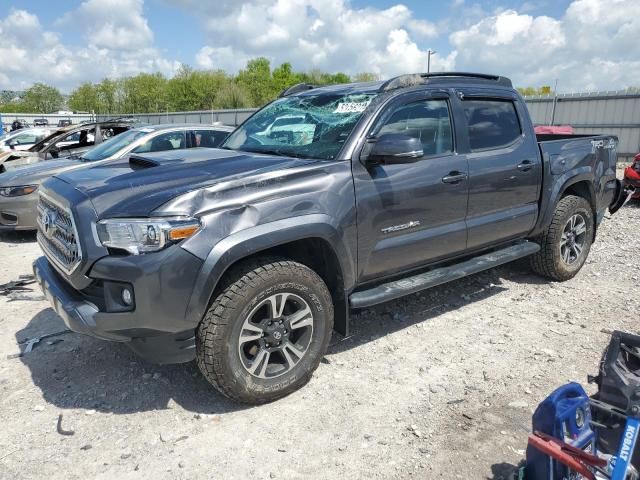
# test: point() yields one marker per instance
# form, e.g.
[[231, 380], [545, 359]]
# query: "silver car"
[[18, 187], [23, 139]]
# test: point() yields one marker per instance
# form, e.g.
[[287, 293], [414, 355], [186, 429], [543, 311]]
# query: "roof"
[[405, 81]]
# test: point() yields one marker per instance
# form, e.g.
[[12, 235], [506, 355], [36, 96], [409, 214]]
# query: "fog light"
[[127, 298]]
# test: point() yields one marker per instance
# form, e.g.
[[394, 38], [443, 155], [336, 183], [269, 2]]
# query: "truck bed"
[[592, 157]]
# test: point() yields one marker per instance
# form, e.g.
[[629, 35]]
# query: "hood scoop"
[[139, 163]]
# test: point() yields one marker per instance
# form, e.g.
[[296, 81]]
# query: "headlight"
[[142, 235], [18, 191]]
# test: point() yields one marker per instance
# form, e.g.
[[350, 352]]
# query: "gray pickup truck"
[[326, 200]]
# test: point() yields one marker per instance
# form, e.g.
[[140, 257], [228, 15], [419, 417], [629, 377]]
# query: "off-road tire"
[[548, 261], [242, 288]]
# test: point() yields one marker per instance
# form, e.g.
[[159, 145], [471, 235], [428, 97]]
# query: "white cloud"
[[118, 42], [112, 24], [220, 58], [592, 47], [324, 34]]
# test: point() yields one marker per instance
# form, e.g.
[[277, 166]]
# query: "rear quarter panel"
[[568, 161]]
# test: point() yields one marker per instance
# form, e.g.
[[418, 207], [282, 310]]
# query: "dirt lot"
[[437, 385]]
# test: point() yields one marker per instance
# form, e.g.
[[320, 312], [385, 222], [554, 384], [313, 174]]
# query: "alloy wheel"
[[275, 335]]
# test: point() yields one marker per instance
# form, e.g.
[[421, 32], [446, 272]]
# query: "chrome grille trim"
[[61, 246]]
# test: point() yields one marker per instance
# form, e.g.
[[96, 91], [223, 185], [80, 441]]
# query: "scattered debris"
[[60, 430], [88, 446], [180, 438], [32, 342], [19, 285], [7, 454], [557, 332]]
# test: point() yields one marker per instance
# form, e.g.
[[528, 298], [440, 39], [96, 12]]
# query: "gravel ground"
[[437, 385]]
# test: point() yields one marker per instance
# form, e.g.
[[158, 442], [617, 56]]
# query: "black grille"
[[57, 235]]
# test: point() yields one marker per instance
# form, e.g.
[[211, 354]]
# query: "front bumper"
[[19, 213], [155, 327]]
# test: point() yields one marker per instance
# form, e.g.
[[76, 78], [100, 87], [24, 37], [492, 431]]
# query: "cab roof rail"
[[300, 87], [411, 80]]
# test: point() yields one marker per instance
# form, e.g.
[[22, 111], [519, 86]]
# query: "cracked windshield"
[[308, 126]]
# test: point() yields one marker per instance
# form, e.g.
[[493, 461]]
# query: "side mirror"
[[394, 148], [13, 143]]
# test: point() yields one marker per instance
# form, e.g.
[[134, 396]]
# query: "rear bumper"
[[632, 179], [19, 213], [155, 326], [624, 192]]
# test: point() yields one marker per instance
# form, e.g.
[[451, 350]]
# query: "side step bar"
[[405, 286]]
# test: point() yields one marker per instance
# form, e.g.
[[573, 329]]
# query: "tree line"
[[188, 89]]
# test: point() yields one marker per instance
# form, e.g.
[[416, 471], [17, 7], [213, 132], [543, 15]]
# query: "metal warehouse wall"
[[228, 117], [615, 113]]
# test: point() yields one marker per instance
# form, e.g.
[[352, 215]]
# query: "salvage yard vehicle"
[[248, 258], [19, 186], [64, 142], [632, 176], [23, 139], [18, 123]]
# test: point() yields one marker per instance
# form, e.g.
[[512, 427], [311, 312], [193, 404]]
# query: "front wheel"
[[566, 242], [266, 330]]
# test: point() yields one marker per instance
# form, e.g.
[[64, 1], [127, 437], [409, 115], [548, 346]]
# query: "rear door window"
[[491, 124], [208, 138], [164, 142]]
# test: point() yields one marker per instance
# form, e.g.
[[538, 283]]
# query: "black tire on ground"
[[255, 289], [549, 261]]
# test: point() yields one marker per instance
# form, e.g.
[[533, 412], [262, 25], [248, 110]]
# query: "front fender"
[[244, 243]]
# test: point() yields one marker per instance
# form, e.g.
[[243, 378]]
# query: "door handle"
[[525, 166], [454, 177]]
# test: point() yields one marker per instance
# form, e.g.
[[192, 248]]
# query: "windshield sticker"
[[352, 107]]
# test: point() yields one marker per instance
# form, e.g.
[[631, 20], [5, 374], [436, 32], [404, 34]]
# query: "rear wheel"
[[266, 330], [566, 242]]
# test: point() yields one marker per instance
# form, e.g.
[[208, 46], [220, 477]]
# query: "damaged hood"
[[140, 185]]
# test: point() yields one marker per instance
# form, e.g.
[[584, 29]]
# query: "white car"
[[23, 139]]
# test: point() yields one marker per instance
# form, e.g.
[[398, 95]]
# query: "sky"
[[585, 45]]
